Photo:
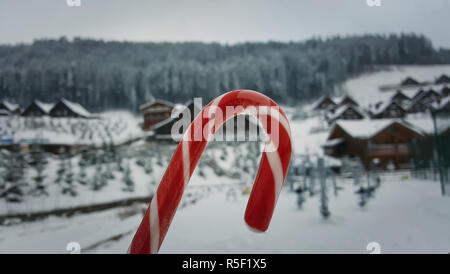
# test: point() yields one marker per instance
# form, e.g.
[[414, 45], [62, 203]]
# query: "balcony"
[[379, 150]]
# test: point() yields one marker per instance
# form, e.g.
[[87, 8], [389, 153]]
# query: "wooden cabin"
[[325, 103], [386, 140], [163, 129], [443, 79], [66, 108], [155, 112], [37, 109], [390, 109], [345, 112]]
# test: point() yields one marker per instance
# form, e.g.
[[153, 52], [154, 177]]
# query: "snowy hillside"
[[365, 88]]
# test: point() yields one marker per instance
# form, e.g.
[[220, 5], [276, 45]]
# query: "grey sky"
[[220, 20]]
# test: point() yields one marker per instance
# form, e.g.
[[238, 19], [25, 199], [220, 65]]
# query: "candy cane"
[[269, 179]]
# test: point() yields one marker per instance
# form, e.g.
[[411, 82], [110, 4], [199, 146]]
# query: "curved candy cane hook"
[[269, 179]]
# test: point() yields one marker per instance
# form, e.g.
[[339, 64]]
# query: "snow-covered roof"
[[367, 128], [46, 107], [333, 142], [77, 108], [384, 105], [439, 105], [340, 110], [320, 100], [164, 102], [422, 122], [10, 106]]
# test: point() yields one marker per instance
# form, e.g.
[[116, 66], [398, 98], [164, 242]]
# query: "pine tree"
[[69, 187], [82, 163], [99, 180], [324, 211], [60, 172], [128, 181], [14, 177], [38, 162], [148, 166]]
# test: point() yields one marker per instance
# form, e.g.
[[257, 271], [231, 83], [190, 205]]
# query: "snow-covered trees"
[[38, 162], [127, 180], [135, 72], [69, 187], [13, 177]]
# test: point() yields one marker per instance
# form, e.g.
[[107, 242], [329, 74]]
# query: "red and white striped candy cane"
[[269, 179]]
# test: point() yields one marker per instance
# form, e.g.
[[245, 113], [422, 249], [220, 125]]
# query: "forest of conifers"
[[105, 75]]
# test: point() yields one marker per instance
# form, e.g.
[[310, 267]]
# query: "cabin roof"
[[10, 106], [46, 107], [75, 107], [384, 105], [161, 101], [409, 81], [321, 100], [365, 129], [340, 110], [442, 79]]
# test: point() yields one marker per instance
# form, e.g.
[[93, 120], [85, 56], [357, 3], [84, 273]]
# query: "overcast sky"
[[226, 21]]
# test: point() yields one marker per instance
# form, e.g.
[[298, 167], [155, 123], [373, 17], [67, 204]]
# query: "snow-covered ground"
[[405, 216], [111, 126]]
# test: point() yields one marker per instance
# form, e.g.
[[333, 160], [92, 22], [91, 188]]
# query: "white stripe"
[[186, 160], [154, 226], [275, 166]]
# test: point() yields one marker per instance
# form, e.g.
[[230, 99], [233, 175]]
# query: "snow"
[[445, 101], [115, 126], [367, 128], [307, 140], [405, 216], [364, 128], [46, 107], [340, 110], [77, 108], [85, 196], [365, 88], [10, 106]]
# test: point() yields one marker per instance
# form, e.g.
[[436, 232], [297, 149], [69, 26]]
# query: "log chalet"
[[386, 140], [155, 112]]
